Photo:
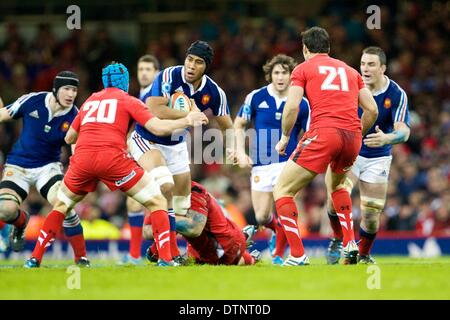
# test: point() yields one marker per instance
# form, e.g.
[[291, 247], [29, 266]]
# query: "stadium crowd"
[[418, 60]]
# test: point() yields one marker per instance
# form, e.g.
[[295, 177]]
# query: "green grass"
[[401, 278]]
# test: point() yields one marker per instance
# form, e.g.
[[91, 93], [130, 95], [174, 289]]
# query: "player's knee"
[[8, 209], [156, 202], [346, 184], [167, 190], [181, 204], [147, 232], [371, 209]]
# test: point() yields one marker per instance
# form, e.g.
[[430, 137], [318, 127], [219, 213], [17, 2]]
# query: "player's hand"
[[239, 158], [282, 144], [194, 106], [196, 118], [377, 139]]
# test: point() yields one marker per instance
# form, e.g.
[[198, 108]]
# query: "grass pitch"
[[399, 278]]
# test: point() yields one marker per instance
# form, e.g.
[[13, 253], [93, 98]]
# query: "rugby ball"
[[180, 101]]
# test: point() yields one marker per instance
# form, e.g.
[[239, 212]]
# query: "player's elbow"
[[70, 138], [194, 231]]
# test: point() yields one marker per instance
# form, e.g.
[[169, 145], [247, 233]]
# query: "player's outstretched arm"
[[71, 136], [164, 127], [191, 225], [4, 115], [290, 114], [379, 138], [370, 109], [158, 107], [239, 156]]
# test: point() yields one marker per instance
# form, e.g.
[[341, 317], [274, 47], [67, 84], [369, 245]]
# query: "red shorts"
[[211, 252], [321, 147], [116, 169]]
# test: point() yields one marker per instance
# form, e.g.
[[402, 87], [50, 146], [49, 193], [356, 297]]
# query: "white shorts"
[[176, 156], [38, 177], [372, 170], [265, 177]]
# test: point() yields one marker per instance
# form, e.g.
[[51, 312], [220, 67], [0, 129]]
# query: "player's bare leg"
[[373, 199], [72, 228], [146, 191], [292, 179], [342, 203], [66, 201], [263, 207], [10, 213]]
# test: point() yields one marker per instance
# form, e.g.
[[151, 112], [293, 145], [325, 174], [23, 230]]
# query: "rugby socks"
[[52, 225], [173, 233], [74, 233], [161, 233], [272, 224], [136, 221], [287, 215], [2, 224], [366, 242], [281, 241], [343, 205], [335, 225]]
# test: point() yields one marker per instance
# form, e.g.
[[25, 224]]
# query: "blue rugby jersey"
[[392, 105], [171, 80], [42, 134], [265, 109]]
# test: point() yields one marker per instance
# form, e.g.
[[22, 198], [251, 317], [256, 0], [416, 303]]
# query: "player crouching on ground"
[[100, 131], [212, 237]]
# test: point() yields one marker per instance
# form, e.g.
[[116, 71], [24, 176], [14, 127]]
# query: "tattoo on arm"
[[189, 224], [399, 136]]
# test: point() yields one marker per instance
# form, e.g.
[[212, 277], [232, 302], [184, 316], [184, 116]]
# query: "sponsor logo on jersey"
[[47, 128], [34, 114], [278, 115], [65, 126], [387, 103], [165, 88], [256, 179], [179, 89], [9, 173], [125, 179], [205, 99]]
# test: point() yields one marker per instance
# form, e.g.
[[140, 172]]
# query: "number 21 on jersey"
[[332, 73], [100, 111]]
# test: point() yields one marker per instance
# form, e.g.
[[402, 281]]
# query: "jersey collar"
[[272, 93], [383, 90], [50, 112], [145, 90], [191, 87]]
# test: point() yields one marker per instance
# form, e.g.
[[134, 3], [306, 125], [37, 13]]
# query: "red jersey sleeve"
[[139, 112], [76, 123], [360, 81], [199, 202], [298, 76]]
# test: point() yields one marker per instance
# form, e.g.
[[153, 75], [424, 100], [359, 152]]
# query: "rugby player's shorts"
[[42, 178], [265, 177], [176, 156], [321, 147], [372, 170], [115, 168]]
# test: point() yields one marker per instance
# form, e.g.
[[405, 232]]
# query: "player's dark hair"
[[286, 62], [377, 51], [317, 40], [150, 59]]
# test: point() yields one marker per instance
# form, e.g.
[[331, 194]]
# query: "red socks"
[[78, 245], [161, 233], [135, 241], [52, 225], [335, 225], [2, 224], [281, 241], [366, 242], [343, 205], [287, 215], [20, 220], [272, 224]]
